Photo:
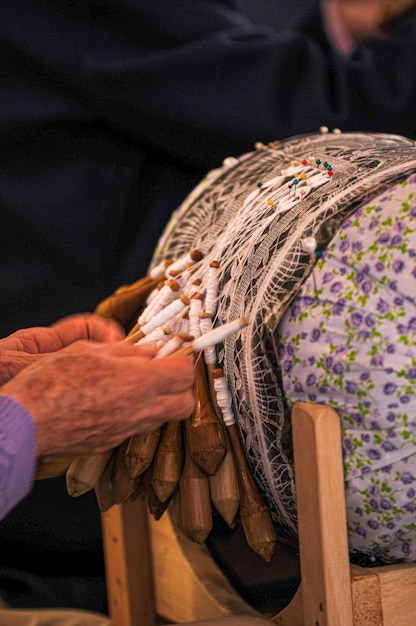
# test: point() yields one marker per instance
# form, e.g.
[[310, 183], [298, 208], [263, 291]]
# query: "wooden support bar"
[[128, 564], [325, 568]]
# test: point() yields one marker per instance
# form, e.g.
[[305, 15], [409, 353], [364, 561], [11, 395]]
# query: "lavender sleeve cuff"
[[17, 453]]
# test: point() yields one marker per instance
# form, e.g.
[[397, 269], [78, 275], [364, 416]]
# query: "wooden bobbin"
[[84, 473], [254, 512], [51, 466], [196, 514], [206, 435], [126, 301], [155, 507], [168, 461], [124, 485], [104, 491], [140, 452], [223, 487]]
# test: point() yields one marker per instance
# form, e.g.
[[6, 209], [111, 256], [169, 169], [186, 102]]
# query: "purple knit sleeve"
[[17, 453]]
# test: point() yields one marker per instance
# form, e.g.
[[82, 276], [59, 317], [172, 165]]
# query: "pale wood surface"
[[128, 564], [365, 589], [384, 596], [398, 593], [325, 569]]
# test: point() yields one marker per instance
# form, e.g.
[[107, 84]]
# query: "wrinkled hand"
[[89, 397], [28, 345]]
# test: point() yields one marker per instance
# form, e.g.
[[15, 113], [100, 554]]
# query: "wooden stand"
[[128, 564], [332, 590], [186, 584], [323, 545]]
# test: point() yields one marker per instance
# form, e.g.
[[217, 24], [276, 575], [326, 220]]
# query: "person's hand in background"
[[365, 18]]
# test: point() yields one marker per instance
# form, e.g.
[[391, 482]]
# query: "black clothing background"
[[110, 113]]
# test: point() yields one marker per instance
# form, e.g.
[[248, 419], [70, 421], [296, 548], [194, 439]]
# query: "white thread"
[[161, 333], [224, 402], [164, 296], [159, 270], [170, 346], [212, 288], [182, 279], [164, 316], [206, 326], [195, 309], [152, 295], [219, 334], [184, 325], [181, 264]]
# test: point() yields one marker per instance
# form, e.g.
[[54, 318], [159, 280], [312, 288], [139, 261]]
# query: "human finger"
[[86, 326], [174, 373]]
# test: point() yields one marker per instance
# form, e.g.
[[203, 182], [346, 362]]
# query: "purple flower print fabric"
[[348, 340]]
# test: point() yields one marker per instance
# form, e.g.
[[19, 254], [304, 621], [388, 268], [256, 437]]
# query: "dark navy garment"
[[110, 113]]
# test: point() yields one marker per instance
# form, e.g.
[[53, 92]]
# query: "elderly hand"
[[89, 397], [30, 344]]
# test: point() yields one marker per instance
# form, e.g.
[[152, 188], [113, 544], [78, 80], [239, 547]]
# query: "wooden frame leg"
[[323, 540], [128, 564]]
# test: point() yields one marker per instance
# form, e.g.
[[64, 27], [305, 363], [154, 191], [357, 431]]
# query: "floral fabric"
[[349, 340]]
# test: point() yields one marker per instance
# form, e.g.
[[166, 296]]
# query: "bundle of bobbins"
[[197, 465], [237, 251]]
